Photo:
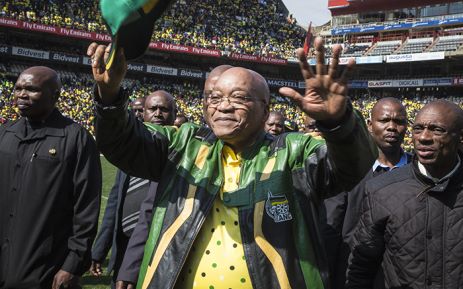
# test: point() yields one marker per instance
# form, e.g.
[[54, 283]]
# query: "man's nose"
[[391, 126], [157, 112], [425, 136]]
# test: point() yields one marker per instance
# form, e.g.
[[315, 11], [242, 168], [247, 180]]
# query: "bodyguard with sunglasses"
[[237, 207]]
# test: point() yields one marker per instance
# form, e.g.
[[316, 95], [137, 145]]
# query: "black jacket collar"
[[52, 126], [455, 181]]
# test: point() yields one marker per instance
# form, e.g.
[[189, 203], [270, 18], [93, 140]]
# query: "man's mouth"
[[425, 152]]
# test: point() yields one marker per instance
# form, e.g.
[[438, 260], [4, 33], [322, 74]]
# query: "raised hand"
[[325, 98], [108, 81]]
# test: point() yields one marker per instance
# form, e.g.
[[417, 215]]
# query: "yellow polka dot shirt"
[[216, 260]]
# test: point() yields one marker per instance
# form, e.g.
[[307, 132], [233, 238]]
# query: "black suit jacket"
[[110, 234], [133, 257]]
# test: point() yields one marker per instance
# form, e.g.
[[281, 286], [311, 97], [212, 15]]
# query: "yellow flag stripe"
[[201, 157], [268, 169], [169, 235]]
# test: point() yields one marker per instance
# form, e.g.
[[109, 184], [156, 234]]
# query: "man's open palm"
[[325, 96]]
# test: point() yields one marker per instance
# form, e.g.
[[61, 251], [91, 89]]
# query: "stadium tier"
[[261, 28]]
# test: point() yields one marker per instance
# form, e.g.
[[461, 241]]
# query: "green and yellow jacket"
[[282, 181]]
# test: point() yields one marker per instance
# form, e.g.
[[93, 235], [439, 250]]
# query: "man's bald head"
[[387, 126], [213, 76], [387, 101], [450, 109], [256, 83], [261, 86], [162, 94], [437, 136], [139, 101], [238, 107], [36, 92], [47, 76], [160, 108]]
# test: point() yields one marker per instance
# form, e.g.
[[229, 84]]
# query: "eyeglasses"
[[236, 101]]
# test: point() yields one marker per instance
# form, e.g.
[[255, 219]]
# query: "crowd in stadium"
[[262, 29], [76, 101]]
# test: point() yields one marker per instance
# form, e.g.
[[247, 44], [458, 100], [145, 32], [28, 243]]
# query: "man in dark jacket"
[[411, 222], [237, 207], [133, 258], [123, 207], [50, 189], [387, 126]]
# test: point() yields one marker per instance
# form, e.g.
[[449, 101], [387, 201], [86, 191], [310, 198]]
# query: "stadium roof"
[[341, 7]]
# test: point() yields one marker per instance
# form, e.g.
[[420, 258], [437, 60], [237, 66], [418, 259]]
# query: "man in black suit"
[[123, 206]]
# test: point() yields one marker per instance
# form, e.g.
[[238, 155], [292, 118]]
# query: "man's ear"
[[57, 94], [369, 125], [266, 113]]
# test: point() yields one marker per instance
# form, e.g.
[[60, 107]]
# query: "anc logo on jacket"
[[277, 208]]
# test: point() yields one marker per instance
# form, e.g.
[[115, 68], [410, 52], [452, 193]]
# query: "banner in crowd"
[[184, 49], [86, 60], [63, 57], [161, 70], [408, 83], [395, 26], [429, 82], [153, 45], [191, 73], [361, 60], [358, 84], [282, 83], [358, 60], [379, 83], [395, 83], [446, 81], [183, 72], [256, 58], [32, 53], [137, 67], [415, 57], [457, 81], [369, 59]]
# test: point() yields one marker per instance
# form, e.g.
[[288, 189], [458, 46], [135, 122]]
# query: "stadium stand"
[[415, 45], [384, 47], [447, 43], [70, 14], [355, 49], [252, 28]]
